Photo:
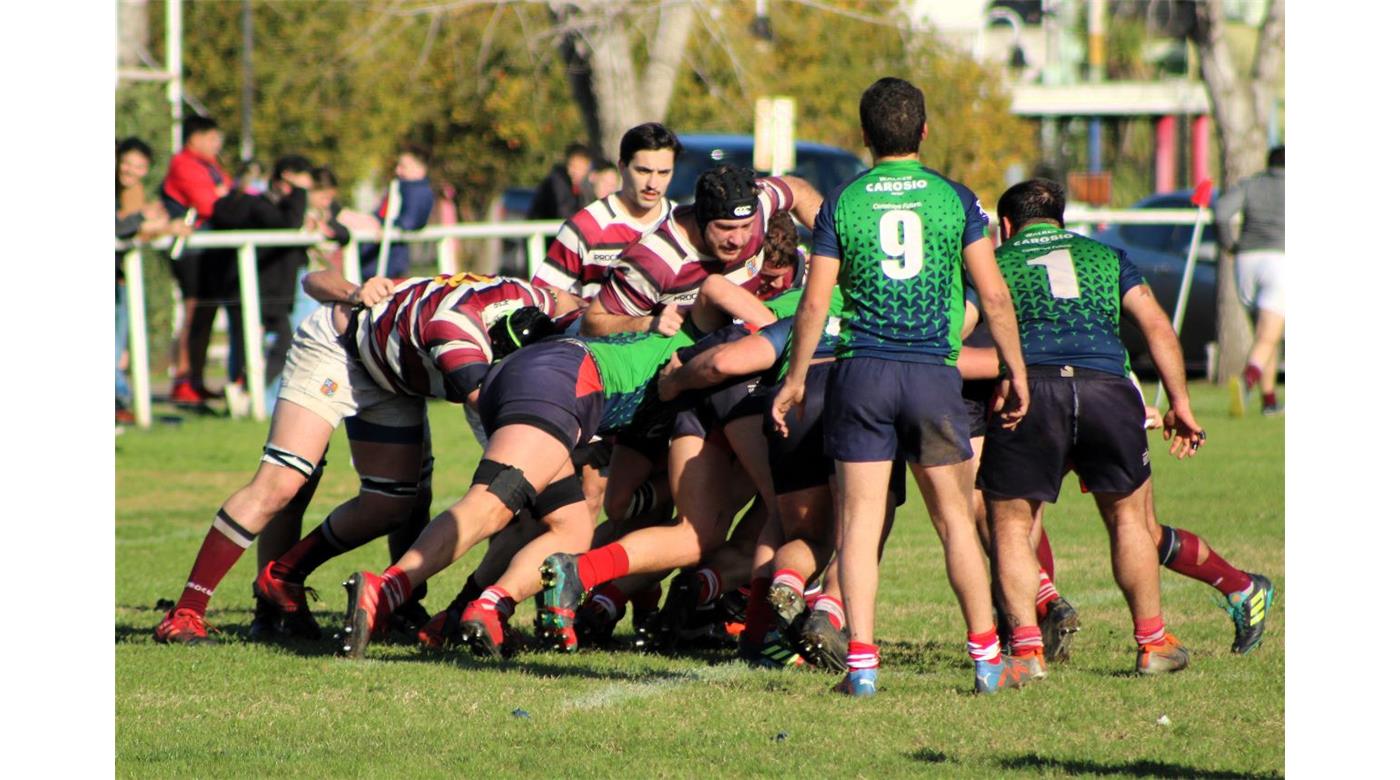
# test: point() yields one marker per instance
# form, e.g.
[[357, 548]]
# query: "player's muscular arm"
[[806, 201], [981, 265], [330, 287], [806, 333], [1180, 423], [749, 355], [598, 321], [721, 300]]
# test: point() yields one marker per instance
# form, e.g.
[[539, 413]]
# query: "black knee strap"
[[1169, 546], [388, 487], [559, 494], [505, 482], [288, 459], [642, 503]]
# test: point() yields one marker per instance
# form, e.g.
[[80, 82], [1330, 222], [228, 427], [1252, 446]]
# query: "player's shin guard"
[[221, 549]]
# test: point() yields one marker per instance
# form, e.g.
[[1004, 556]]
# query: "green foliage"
[[143, 112], [242, 709]]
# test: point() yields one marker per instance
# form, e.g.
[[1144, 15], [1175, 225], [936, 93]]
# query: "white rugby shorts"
[[1259, 275]]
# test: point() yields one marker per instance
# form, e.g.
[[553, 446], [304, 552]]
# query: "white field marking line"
[[618, 692]]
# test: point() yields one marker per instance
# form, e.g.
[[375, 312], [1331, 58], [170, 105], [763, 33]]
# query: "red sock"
[[790, 578], [1252, 375], [834, 609], [710, 585], [1179, 550], [222, 547], [1045, 595], [648, 600], [984, 646], [319, 546], [495, 597], [863, 656], [758, 616], [397, 587], [606, 563], [1026, 640], [1149, 631], [1269, 399], [610, 598], [1045, 555]]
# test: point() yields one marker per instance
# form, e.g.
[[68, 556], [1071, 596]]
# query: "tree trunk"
[[1240, 110], [133, 32]]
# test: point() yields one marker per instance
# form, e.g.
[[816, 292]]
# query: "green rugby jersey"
[[627, 365], [898, 230], [1068, 291]]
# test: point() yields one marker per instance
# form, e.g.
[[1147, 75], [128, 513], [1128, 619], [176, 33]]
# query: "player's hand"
[[668, 321], [1011, 401], [666, 387], [1186, 436], [1153, 418], [791, 397], [374, 291]]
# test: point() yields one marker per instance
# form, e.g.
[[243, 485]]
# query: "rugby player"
[[1069, 291], [372, 362], [899, 236]]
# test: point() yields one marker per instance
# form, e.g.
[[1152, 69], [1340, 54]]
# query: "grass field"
[[243, 709]]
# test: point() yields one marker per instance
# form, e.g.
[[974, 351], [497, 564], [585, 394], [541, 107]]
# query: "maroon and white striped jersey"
[[588, 245], [431, 337], [664, 267]]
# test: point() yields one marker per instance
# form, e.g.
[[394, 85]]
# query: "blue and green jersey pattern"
[[1068, 291], [899, 230], [627, 365]]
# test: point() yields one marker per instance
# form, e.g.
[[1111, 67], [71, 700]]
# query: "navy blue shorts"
[[1092, 419], [977, 399], [878, 408], [719, 408], [799, 461], [552, 386]]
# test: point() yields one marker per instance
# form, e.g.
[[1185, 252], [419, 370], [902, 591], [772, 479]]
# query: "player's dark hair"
[[1276, 157], [603, 164], [324, 179], [196, 124], [646, 137], [780, 242], [576, 150], [892, 116], [134, 144], [290, 163], [1034, 200], [418, 151]]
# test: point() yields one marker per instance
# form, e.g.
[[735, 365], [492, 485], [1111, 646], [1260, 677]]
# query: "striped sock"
[[611, 599], [862, 656], [397, 587], [495, 597], [790, 578], [709, 585], [833, 608], [1026, 640], [1046, 594], [222, 547], [1149, 631], [984, 646]]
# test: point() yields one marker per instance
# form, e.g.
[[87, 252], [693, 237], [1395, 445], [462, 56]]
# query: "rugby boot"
[[483, 631], [433, 635], [787, 604], [557, 603], [822, 643], [857, 682], [1162, 657], [1058, 628], [775, 652], [1248, 609], [289, 600], [267, 622], [408, 618], [1008, 672], [364, 618], [594, 625], [183, 627]]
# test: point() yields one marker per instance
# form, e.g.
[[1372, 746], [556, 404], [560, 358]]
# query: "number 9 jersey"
[[898, 231], [1068, 291]]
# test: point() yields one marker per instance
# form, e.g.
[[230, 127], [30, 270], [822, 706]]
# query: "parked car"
[[825, 167], [1159, 251]]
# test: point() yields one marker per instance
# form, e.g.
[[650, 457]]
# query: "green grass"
[[242, 709]]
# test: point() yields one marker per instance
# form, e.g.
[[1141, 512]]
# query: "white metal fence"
[[534, 232]]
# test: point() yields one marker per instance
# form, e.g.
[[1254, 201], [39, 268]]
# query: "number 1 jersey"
[[898, 231]]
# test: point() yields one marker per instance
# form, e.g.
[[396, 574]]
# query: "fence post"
[[350, 262], [534, 253], [252, 330], [446, 258], [140, 365]]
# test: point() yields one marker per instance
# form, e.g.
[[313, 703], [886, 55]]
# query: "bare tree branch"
[[667, 49], [1268, 61]]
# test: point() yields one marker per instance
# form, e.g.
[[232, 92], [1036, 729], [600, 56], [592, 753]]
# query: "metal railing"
[[248, 241]]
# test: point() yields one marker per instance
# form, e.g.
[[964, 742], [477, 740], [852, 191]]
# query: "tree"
[[1241, 105]]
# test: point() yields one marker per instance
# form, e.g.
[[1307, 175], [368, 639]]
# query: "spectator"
[[561, 194], [136, 218], [416, 205], [323, 214], [603, 180], [283, 206], [206, 278], [1258, 271], [252, 179]]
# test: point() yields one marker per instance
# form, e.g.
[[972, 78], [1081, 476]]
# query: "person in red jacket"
[[195, 181]]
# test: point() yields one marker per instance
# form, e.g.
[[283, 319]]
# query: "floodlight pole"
[[174, 55]]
